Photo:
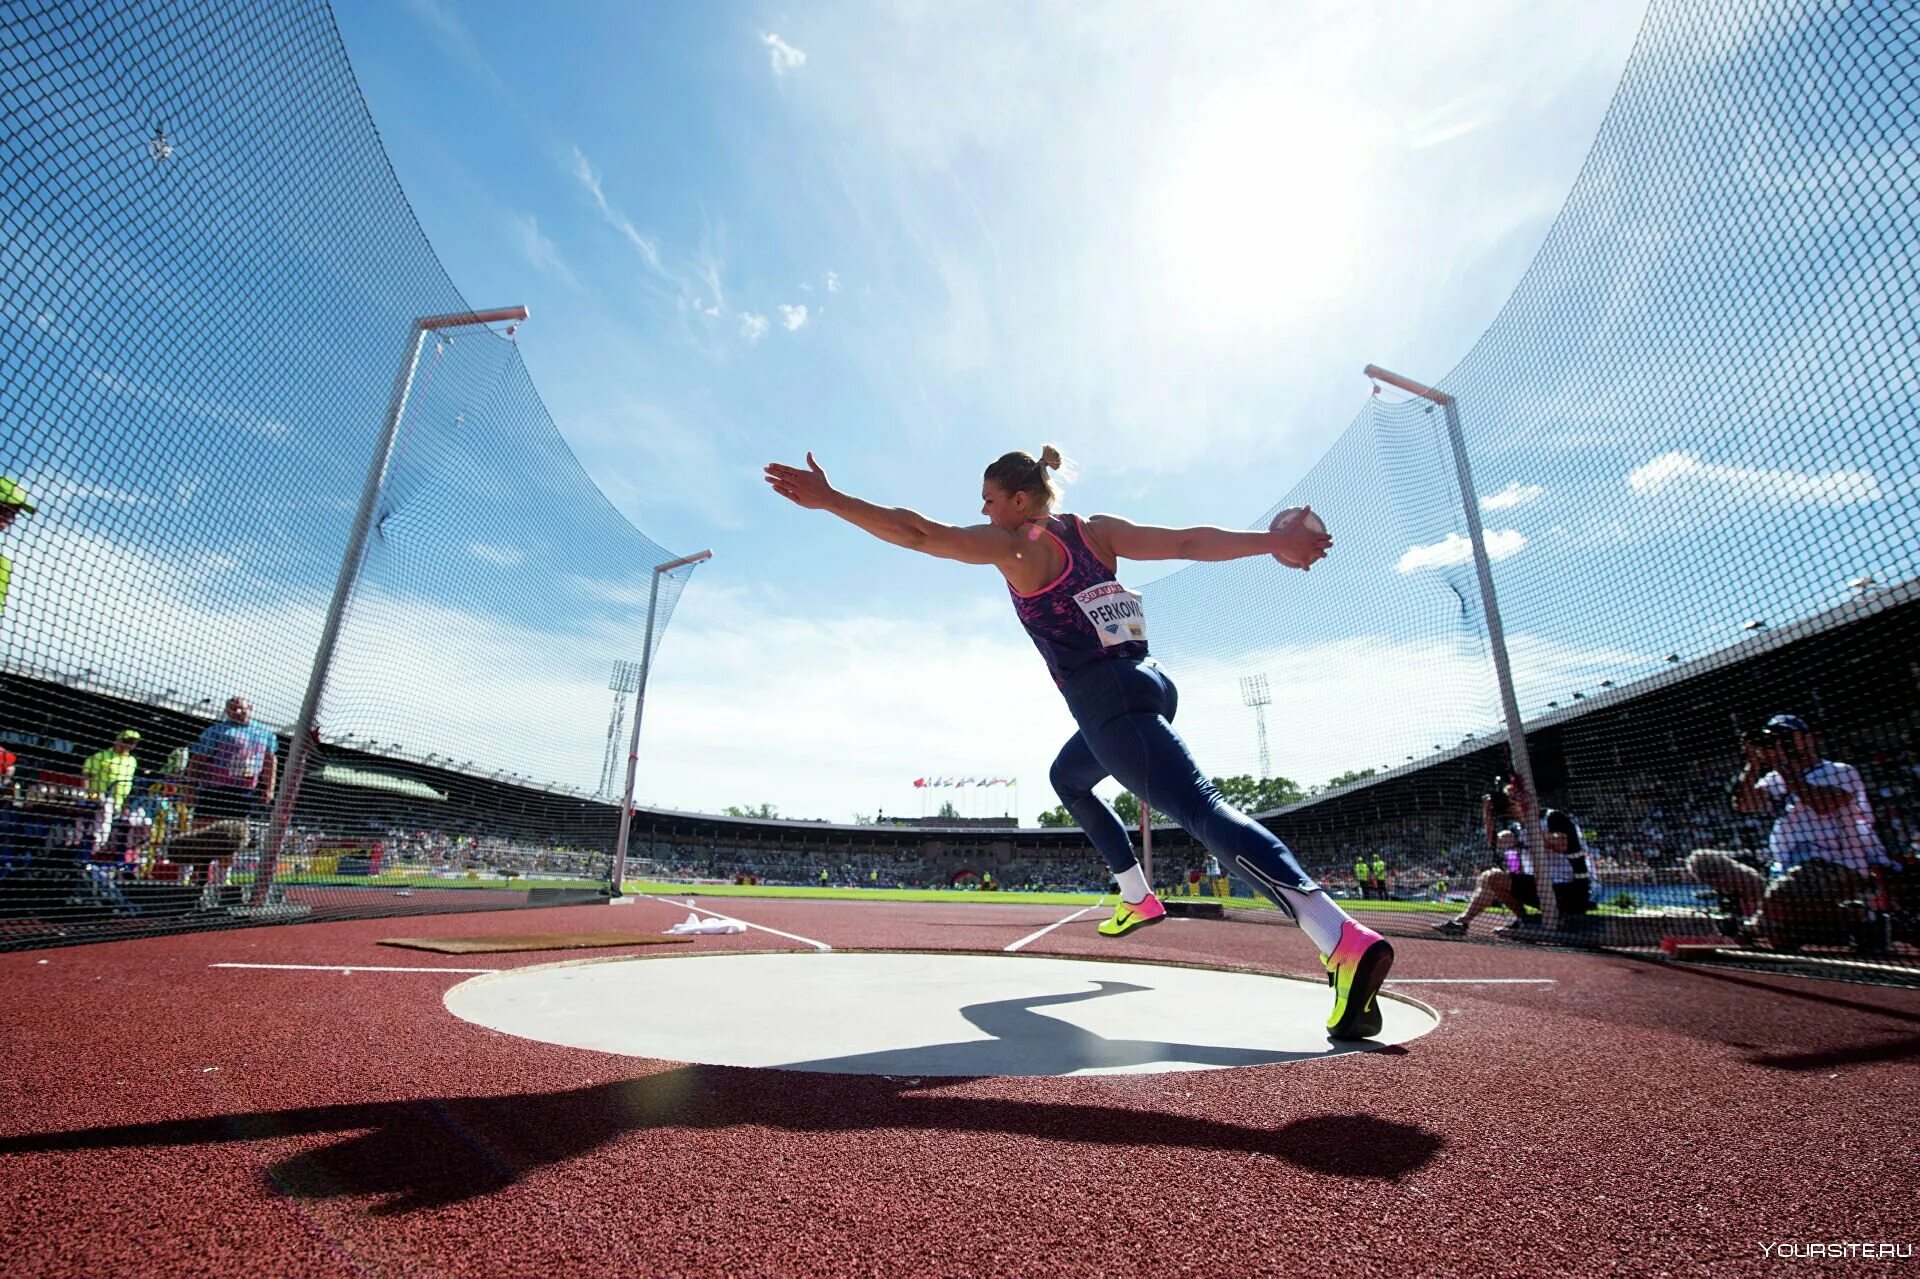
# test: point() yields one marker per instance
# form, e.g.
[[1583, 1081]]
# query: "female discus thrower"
[[1092, 633]]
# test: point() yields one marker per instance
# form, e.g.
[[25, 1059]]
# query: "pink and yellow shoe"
[[1355, 969], [1128, 916]]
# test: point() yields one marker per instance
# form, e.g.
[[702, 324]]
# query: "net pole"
[[619, 877], [350, 562], [1496, 634]]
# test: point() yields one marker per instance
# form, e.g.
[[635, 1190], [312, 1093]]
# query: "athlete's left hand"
[[809, 488]]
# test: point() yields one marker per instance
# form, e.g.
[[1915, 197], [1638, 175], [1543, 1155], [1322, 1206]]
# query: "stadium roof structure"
[[1758, 644]]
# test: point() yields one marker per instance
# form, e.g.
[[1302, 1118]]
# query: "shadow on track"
[[434, 1152], [445, 1150]]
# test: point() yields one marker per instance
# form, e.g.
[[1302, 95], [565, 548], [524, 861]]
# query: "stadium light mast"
[[639, 704], [1253, 692], [350, 564], [1496, 635], [624, 680]]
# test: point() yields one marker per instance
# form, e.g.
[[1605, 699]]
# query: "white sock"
[[1133, 885], [1319, 915]]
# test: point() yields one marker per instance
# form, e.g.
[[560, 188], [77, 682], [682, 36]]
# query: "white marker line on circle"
[[1050, 927], [352, 968], [1472, 981], [714, 914]]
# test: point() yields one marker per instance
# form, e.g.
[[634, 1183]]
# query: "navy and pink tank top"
[[1084, 615]]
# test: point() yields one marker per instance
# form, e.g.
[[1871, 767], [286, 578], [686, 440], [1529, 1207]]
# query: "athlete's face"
[[1002, 509]]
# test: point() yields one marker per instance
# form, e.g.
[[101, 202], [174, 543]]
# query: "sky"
[[911, 237]]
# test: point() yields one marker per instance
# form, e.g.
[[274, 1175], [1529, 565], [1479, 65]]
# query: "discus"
[[1313, 522]]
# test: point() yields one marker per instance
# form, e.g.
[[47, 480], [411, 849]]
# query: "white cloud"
[[1678, 470], [539, 249], [234, 415], [49, 490], [857, 717], [504, 556], [1366, 700], [753, 326], [585, 174], [781, 56], [455, 39], [1455, 549], [793, 317], [1514, 494], [833, 281]]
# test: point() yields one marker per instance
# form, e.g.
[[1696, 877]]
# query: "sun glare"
[[1261, 210]]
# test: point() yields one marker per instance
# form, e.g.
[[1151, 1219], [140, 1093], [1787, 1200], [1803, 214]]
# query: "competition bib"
[[1115, 613]]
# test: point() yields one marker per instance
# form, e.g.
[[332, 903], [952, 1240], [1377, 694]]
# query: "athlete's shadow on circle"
[[1022, 1041], [409, 1155]]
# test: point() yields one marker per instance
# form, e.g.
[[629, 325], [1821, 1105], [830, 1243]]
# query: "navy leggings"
[[1123, 709]]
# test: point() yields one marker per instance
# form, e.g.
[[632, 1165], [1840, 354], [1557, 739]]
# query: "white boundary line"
[[1050, 927], [688, 905], [1472, 981], [351, 968]]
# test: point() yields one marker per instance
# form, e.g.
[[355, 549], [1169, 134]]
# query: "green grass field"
[[804, 892], [1002, 898]]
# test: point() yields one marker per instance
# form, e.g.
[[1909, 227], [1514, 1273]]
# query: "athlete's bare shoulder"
[[1097, 532]]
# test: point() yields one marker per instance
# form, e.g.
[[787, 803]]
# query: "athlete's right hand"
[[1300, 538], [808, 488]]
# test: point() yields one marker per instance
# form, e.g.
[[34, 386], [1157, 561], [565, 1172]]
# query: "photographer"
[[1823, 848], [1504, 812]]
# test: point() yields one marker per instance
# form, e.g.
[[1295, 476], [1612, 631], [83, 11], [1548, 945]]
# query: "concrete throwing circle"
[[919, 1014]]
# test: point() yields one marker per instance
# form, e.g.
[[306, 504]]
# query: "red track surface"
[[163, 1116]]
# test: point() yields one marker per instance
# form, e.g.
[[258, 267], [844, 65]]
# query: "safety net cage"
[[306, 608], [1691, 444]]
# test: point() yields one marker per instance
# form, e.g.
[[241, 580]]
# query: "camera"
[[1497, 800]]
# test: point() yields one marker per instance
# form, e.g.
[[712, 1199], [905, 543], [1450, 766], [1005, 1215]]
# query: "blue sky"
[[909, 238], [1164, 240]]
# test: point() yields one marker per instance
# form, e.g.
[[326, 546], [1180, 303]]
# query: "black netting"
[[209, 280], [1692, 434]]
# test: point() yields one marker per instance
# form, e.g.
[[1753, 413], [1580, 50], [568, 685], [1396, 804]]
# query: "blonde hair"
[[1022, 472]]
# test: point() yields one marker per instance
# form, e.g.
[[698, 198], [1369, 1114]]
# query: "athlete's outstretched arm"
[[978, 544], [1132, 541]]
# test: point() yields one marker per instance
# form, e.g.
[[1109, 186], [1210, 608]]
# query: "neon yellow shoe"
[[1128, 916], [1355, 969]]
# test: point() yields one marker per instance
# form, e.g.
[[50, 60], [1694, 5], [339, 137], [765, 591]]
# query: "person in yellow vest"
[[1363, 877], [109, 772], [14, 503], [1380, 877]]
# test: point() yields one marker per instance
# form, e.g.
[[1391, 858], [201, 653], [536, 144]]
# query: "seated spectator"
[[1504, 814], [1823, 850]]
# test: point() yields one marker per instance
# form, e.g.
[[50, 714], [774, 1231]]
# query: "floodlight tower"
[[624, 682], [1253, 692]]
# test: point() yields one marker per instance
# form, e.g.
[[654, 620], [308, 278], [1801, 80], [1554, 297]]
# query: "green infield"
[[1004, 897], [1000, 897]]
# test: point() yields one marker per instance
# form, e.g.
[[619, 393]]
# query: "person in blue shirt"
[[232, 771]]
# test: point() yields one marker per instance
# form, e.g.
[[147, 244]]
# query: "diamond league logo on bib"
[[1115, 612]]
